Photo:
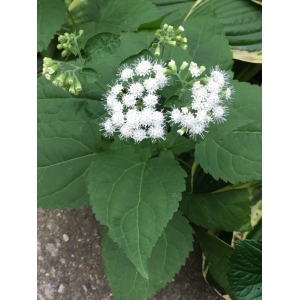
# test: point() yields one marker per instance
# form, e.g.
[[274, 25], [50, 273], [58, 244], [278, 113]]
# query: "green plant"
[[124, 126]]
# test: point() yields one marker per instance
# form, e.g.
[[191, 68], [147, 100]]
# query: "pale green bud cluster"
[[50, 68], [168, 35], [67, 80], [67, 41]]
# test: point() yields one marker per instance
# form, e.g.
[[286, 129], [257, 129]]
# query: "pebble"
[[49, 289], [63, 261], [61, 289], [65, 237], [42, 270]]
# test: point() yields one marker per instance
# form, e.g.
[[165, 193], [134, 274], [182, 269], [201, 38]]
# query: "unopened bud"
[[78, 86], [157, 50], [172, 43], [72, 89], [59, 46], [66, 34], [183, 40], [165, 26], [172, 65], [65, 45], [59, 80], [52, 69], [64, 53], [202, 69], [69, 80], [81, 32], [62, 39], [184, 47], [183, 66], [170, 29], [181, 131], [179, 30], [184, 110]]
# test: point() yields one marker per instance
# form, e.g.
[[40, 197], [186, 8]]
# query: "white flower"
[[116, 89], [219, 113], [176, 115], [150, 100], [143, 67], [136, 89], [139, 134], [219, 76], [156, 132], [151, 85], [194, 69], [125, 73], [129, 100]]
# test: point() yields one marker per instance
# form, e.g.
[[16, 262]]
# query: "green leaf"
[[237, 156], [128, 15], [106, 63], [50, 17], [135, 199], [229, 211], [68, 141], [245, 271], [217, 254], [173, 11], [88, 76], [167, 257], [241, 20], [207, 43]]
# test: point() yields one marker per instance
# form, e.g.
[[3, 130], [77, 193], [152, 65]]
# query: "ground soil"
[[70, 265]]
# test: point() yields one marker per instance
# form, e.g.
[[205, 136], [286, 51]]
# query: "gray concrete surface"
[[70, 264]]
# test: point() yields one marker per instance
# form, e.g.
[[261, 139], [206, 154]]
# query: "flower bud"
[[59, 46], [64, 53], [170, 29], [202, 69], [184, 110], [78, 86], [62, 39], [157, 50], [65, 45], [184, 47], [72, 89], [183, 66], [59, 80], [81, 32], [69, 80], [172, 65], [165, 26], [179, 30], [181, 131], [52, 69], [183, 40], [66, 34], [172, 43]]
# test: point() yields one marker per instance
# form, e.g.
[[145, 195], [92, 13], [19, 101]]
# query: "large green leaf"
[[135, 199], [128, 15], [207, 43], [167, 257], [173, 11], [109, 50], [237, 156], [217, 254], [50, 17], [229, 211], [245, 271], [242, 22], [68, 141]]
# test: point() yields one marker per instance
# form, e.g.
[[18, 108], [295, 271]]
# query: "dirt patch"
[[70, 264]]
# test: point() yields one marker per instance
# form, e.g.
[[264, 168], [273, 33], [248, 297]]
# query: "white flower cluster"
[[132, 102], [208, 104]]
